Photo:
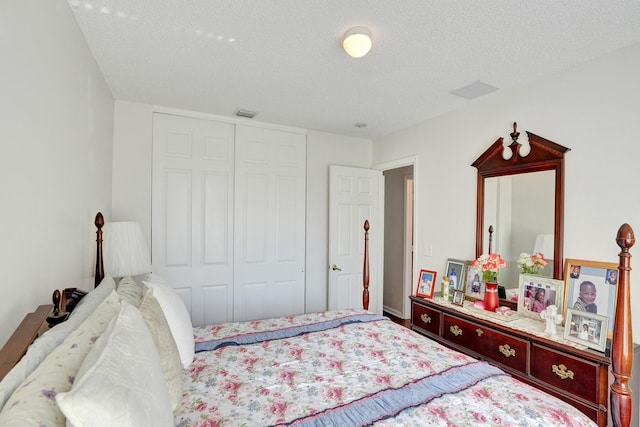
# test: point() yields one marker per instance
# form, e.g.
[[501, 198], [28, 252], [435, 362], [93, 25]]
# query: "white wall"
[[592, 109], [55, 164], [132, 184]]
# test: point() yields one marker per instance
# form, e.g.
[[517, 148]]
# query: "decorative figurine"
[[550, 314]]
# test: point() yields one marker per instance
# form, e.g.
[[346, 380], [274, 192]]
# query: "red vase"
[[491, 297]]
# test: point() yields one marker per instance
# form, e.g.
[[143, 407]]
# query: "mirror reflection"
[[521, 209]]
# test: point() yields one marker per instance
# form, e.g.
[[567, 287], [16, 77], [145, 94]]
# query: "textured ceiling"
[[283, 58]]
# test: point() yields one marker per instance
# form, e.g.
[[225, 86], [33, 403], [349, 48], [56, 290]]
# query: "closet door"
[[269, 232], [192, 213]]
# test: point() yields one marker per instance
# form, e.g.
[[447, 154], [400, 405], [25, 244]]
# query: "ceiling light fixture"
[[357, 41]]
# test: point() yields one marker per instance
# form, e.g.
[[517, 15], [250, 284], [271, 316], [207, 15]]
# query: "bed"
[[336, 368]]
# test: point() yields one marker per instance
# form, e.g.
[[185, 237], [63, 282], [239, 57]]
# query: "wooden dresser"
[[579, 377]]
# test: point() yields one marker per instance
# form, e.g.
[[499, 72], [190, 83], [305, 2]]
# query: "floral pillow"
[[167, 349], [33, 403], [46, 343]]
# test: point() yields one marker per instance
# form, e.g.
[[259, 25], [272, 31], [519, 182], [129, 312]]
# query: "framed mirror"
[[520, 193]]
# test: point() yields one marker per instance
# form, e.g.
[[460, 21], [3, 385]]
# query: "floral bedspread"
[[350, 368]]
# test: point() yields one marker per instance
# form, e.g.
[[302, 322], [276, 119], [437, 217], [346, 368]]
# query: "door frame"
[[408, 275]]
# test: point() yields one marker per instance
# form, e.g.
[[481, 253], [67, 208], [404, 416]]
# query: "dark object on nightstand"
[[72, 297], [56, 316], [502, 292]]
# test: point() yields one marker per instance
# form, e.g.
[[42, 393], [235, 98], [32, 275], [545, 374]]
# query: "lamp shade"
[[544, 245], [357, 41], [125, 250]]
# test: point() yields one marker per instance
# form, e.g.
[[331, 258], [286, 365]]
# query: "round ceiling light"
[[357, 41]]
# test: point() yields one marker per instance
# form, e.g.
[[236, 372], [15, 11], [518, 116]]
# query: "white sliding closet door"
[[228, 217], [192, 213], [269, 235]]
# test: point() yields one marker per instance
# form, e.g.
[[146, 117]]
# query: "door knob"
[[335, 268]]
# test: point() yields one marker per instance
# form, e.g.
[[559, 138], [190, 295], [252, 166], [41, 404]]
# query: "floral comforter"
[[351, 368]]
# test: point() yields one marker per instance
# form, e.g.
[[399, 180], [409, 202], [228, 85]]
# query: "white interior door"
[[355, 194], [192, 213], [269, 236]]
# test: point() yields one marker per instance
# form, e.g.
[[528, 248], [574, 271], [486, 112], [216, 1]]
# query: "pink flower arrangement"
[[489, 265]]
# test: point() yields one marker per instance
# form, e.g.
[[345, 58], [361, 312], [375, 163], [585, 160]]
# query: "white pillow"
[[120, 382], [177, 316], [90, 301]]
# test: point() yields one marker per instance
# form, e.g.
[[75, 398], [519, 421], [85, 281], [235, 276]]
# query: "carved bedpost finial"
[[622, 342], [55, 298], [99, 274], [365, 268]]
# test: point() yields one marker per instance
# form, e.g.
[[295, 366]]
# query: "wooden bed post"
[[99, 222], [365, 268], [622, 343]]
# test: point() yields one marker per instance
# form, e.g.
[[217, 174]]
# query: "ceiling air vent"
[[245, 113], [474, 90]]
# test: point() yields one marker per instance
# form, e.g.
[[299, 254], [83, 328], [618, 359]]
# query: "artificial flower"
[[489, 265], [531, 264]]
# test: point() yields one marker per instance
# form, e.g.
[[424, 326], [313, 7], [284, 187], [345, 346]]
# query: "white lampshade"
[[544, 245], [124, 249], [357, 41]]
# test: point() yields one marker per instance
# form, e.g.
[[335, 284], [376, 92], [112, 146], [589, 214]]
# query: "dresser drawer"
[[576, 376], [425, 317], [505, 349]]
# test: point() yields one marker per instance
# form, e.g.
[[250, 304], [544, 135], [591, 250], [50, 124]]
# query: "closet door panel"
[[192, 212], [269, 231]]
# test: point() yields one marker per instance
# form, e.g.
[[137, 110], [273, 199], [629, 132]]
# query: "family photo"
[[586, 328], [536, 293], [591, 288], [426, 281]]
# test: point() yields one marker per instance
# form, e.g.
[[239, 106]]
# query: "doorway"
[[399, 232]]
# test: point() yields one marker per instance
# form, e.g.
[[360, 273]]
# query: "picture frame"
[[457, 266], [458, 297], [474, 285], [426, 283], [592, 280], [586, 328], [535, 293]]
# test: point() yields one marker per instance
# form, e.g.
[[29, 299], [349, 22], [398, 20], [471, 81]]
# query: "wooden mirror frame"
[[544, 155]]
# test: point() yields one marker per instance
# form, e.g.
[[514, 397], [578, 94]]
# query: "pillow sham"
[[120, 382], [177, 316], [130, 291], [48, 341], [33, 403], [165, 344]]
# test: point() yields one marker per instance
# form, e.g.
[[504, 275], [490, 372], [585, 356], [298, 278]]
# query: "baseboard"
[[392, 311]]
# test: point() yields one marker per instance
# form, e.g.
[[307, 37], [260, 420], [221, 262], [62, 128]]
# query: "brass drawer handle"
[[455, 330], [479, 332], [425, 318], [562, 371], [507, 351]]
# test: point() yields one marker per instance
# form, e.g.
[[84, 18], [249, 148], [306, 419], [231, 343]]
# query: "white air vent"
[[245, 113], [474, 90]]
